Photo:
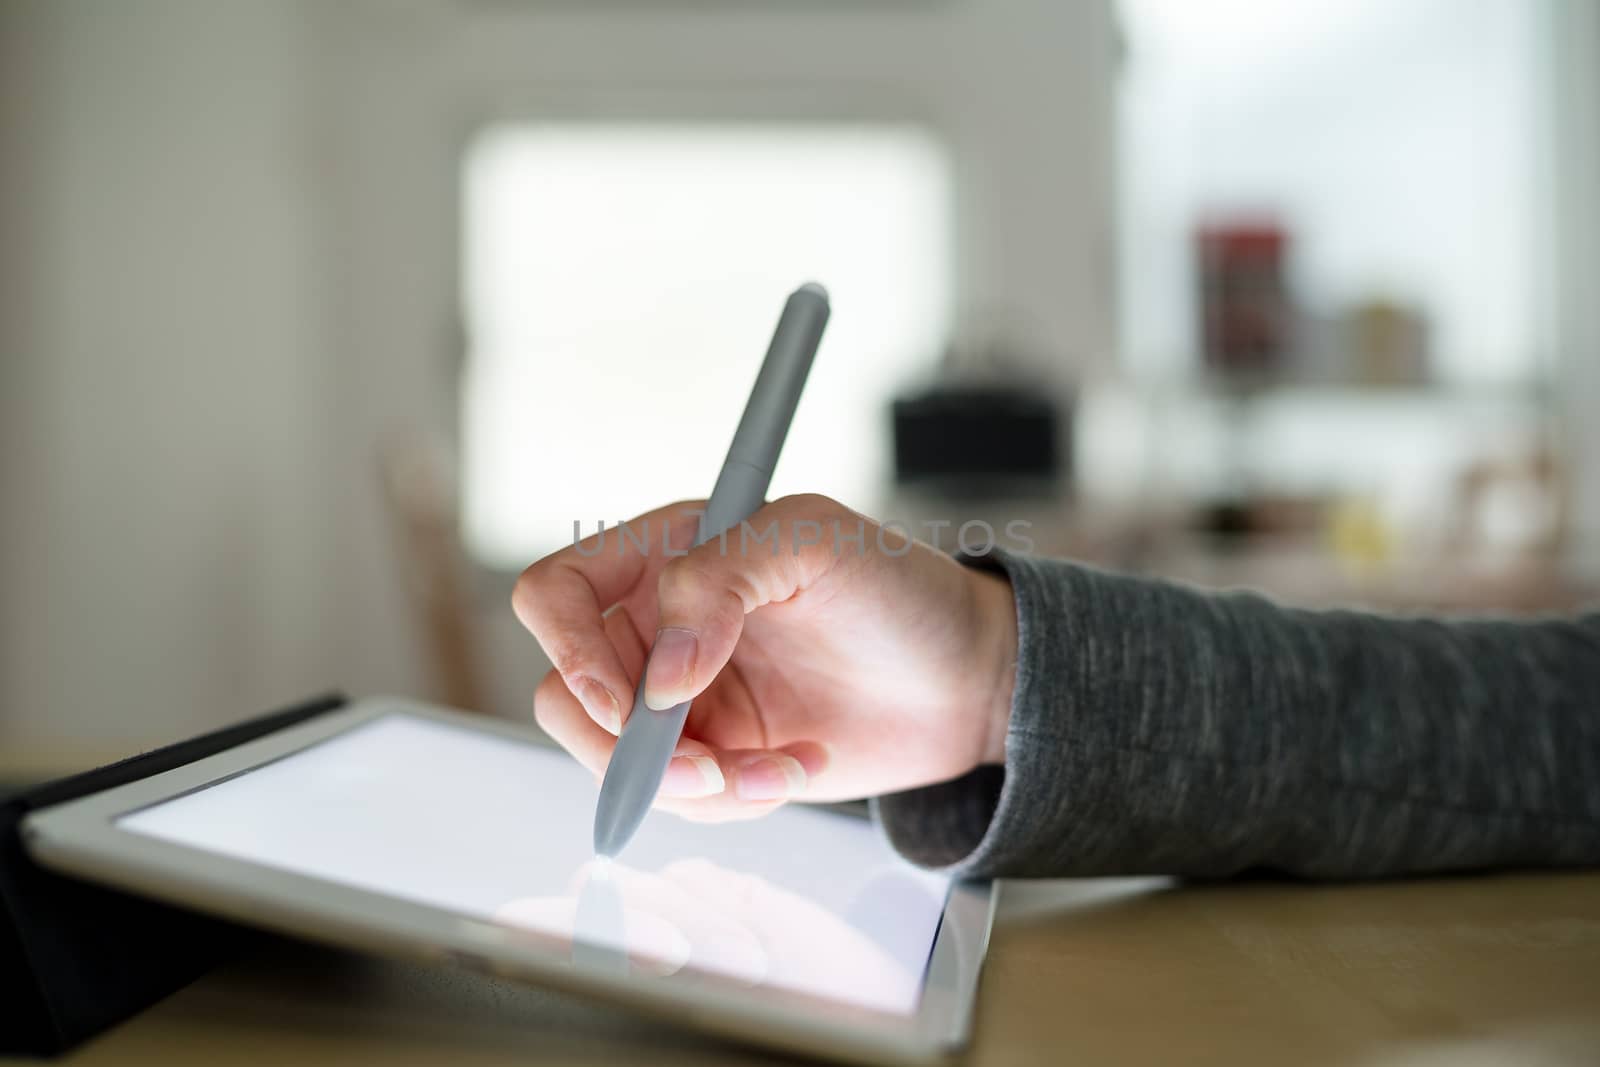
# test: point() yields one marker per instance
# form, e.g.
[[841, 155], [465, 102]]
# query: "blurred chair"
[[421, 499]]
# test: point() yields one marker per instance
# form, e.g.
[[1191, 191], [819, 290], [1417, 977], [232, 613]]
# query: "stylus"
[[649, 737]]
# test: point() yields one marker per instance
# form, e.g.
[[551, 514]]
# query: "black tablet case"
[[77, 958]]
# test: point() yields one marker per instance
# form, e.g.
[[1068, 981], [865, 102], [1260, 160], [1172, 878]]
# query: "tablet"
[[422, 832]]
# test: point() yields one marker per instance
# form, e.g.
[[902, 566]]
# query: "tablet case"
[[76, 958]]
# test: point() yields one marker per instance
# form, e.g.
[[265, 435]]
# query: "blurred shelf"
[[1199, 438], [1305, 576], [1352, 394]]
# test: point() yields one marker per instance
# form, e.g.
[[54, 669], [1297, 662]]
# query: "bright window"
[[621, 285], [1399, 142]]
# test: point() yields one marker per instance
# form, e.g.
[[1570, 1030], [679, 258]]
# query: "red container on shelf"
[[1246, 318]]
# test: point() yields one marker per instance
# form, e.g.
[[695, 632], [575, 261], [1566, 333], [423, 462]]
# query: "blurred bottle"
[[1386, 342], [1246, 315], [1358, 535]]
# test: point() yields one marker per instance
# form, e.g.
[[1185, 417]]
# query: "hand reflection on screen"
[[695, 914]]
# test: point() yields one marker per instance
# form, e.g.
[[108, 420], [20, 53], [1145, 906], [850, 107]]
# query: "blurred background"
[[319, 319]]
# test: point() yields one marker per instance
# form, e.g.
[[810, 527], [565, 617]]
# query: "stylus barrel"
[[649, 737]]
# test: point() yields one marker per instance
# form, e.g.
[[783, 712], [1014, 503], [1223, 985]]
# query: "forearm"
[[1156, 729]]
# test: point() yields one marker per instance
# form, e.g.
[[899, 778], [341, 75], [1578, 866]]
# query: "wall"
[[164, 549], [1575, 35], [228, 276], [1419, 177], [1020, 89]]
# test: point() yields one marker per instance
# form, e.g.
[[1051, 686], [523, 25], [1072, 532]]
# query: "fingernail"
[[599, 703], [770, 778], [692, 776], [814, 757], [671, 667]]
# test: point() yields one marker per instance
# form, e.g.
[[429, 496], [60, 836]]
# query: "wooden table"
[[1497, 969], [1490, 969]]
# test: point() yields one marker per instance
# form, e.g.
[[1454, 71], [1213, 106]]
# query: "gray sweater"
[[1156, 729]]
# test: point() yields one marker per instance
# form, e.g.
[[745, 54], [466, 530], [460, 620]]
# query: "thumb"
[[703, 597]]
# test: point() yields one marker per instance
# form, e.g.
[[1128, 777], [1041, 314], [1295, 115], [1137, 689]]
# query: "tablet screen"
[[500, 829]]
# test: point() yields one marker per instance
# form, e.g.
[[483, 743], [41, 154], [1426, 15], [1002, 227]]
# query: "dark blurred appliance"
[[991, 439]]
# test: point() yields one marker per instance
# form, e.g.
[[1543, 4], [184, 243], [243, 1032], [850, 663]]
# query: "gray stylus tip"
[[614, 826], [814, 289]]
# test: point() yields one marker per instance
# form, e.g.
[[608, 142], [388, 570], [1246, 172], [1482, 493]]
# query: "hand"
[[822, 666]]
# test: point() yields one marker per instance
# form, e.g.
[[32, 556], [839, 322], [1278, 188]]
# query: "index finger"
[[561, 599]]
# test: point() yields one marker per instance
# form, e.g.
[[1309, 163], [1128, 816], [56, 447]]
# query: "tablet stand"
[[76, 958]]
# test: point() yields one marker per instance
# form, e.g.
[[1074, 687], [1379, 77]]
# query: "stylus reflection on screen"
[[693, 914]]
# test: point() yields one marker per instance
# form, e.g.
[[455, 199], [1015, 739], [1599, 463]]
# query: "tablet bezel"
[[81, 837]]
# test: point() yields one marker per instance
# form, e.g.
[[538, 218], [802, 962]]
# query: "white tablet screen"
[[500, 829]]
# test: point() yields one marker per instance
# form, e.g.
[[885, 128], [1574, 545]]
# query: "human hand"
[[821, 666]]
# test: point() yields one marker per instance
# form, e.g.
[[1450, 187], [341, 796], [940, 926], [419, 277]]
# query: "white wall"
[[1575, 33], [164, 548], [1397, 142], [1020, 89], [228, 272]]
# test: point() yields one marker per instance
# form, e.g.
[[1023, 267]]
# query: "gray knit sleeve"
[[1156, 729]]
